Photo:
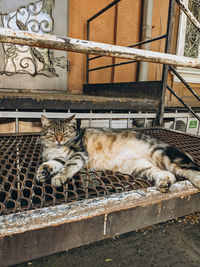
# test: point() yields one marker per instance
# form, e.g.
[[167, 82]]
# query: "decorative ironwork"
[[192, 36], [36, 17]]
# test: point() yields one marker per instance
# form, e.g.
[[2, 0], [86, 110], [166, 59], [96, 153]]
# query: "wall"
[[79, 12], [159, 27], [128, 32]]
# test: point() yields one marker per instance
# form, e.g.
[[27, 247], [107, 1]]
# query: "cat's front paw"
[[44, 172], [59, 179], [48, 169]]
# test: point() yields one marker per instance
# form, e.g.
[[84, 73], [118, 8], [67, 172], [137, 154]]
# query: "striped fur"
[[66, 151]]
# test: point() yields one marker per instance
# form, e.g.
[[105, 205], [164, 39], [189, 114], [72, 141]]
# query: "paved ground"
[[176, 243]]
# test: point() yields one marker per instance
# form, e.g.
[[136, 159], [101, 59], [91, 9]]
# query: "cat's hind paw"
[[163, 183], [195, 180], [163, 186]]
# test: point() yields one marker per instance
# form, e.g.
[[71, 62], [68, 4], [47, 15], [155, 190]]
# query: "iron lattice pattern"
[[20, 157]]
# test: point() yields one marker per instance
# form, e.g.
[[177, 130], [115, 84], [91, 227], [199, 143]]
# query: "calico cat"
[[66, 150]]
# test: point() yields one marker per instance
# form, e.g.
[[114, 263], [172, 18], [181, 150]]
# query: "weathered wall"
[[79, 12], [128, 32], [102, 30], [159, 27]]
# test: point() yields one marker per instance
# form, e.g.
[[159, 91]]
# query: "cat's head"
[[57, 132]]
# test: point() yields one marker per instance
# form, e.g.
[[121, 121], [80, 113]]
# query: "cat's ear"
[[71, 119], [45, 121]]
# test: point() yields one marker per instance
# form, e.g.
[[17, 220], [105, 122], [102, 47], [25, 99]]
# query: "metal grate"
[[20, 156]]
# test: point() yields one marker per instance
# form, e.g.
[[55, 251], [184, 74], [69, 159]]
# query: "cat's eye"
[[66, 133], [51, 134]]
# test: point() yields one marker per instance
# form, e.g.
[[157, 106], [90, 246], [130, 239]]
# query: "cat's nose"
[[59, 139]]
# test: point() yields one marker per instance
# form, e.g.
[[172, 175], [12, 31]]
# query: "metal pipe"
[[83, 46], [146, 35]]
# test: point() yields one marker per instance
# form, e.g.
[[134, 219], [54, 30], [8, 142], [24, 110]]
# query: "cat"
[[67, 150]]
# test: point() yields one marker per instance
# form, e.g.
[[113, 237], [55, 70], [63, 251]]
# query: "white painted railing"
[[83, 46], [113, 119]]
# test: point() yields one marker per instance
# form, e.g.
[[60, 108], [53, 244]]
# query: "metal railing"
[[88, 59], [111, 119], [95, 48], [99, 49], [165, 70]]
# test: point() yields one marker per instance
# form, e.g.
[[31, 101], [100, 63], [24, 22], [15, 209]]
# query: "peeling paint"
[[189, 14], [57, 215], [82, 46]]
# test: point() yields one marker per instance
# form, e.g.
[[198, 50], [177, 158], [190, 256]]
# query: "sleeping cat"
[[67, 150]]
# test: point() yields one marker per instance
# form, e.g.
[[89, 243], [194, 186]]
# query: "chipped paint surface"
[[80, 210], [189, 14], [82, 46]]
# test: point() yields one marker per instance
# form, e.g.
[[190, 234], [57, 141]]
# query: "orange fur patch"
[[99, 147]]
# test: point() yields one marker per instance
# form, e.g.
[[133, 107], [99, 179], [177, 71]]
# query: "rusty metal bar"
[[83, 46], [189, 14]]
